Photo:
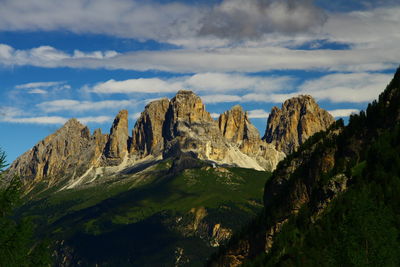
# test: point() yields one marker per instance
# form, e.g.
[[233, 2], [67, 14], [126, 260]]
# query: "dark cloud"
[[251, 19]]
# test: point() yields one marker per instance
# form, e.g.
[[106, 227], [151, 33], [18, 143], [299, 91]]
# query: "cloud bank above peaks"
[[166, 21], [201, 82], [239, 59], [122, 18], [251, 19]]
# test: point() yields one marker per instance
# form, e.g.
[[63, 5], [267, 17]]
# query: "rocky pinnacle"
[[299, 118]]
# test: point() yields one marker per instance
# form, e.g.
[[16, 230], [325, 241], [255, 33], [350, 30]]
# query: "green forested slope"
[[334, 202]]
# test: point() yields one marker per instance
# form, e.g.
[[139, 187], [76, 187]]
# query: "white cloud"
[[81, 106], [8, 112], [95, 119], [347, 87], [49, 57], [173, 21], [209, 82], [239, 59], [222, 82], [373, 28], [251, 97], [37, 91], [338, 87], [258, 114], [123, 18], [38, 85], [56, 120], [343, 112], [371, 34], [95, 54], [150, 85], [210, 99], [37, 120]]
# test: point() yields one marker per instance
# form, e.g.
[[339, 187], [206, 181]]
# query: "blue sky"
[[88, 59]]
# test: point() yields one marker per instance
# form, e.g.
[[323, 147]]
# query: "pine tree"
[[17, 245]]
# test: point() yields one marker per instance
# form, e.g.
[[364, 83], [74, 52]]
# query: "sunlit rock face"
[[299, 118]]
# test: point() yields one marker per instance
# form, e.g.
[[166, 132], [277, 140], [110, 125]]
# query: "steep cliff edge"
[[147, 135], [117, 145], [237, 128], [298, 119]]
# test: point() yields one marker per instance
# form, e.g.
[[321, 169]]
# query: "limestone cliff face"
[[236, 127], [189, 127], [298, 119], [117, 146], [67, 152], [147, 135], [232, 140], [185, 108]]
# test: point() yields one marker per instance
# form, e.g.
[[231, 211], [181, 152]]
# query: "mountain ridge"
[[166, 128]]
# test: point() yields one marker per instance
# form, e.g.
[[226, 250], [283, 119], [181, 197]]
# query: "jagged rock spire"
[[117, 145], [236, 127], [147, 135]]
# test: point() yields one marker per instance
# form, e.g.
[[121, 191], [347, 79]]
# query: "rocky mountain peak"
[[189, 107], [72, 123], [147, 135], [74, 127], [299, 118], [235, 125], [168, 128], [58, 155], [117, 145]]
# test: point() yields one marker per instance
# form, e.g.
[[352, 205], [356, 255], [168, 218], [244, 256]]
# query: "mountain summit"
[[298, 119], [167, 129]]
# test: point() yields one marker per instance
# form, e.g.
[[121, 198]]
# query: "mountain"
[[72, 156], [172, 192], [298, 119], [334, 201]]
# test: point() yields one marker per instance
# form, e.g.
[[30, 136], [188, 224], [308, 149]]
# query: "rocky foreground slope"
[[166, 128]]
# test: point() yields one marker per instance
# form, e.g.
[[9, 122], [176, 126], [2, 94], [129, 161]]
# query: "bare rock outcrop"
[[117, 146], [66, 153], [147, 135], [237, 128], [298, 119], [189, 127], [234, 124], [171, 128]]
